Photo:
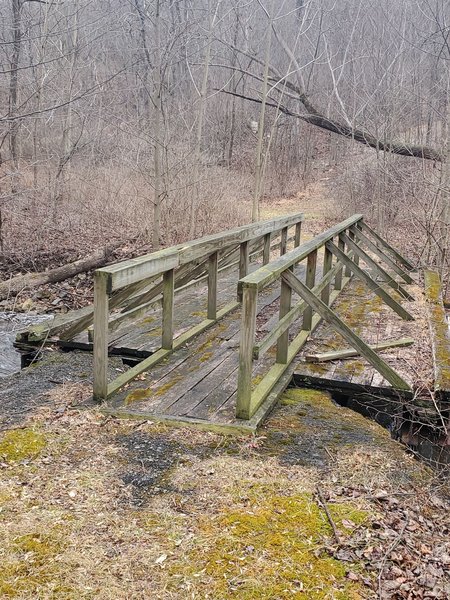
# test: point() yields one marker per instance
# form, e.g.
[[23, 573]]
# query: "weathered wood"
[[311, 267], [356, 342], [128, 272], [265, 387], [351, 235], [266, 251], [377, 268], [101, 312], [283, 241], [248, 329], [398, 257], [30, 280], [381, 255], [285, 307], [167, 310], [339, 274], [243, 260], [272, 272], [298, 233], [327, 264], [213, 263], [283, 324], [159, 355], [373, 285], [350, 352], [440, 335]]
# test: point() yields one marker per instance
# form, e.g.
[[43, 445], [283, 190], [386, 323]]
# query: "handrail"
[[315, 299], [136, 269], [270, 272], [126, 284], [248, 400]]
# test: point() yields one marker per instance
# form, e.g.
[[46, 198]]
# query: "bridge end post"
[[248, 329], [101, 314]]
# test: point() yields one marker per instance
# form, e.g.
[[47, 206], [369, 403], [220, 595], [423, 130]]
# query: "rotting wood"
[[30, 280], [350, 352], [439, 333], [356, 342], [373, 285]]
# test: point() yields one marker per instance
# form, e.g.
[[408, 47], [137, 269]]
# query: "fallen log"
[[350, 352], [15, 285]]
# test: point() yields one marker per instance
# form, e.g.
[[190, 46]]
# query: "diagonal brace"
[[376, 267], [373, 285], [344, 330], [382, 255]]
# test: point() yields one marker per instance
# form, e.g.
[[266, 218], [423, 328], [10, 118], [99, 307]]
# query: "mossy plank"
[[439, 333]]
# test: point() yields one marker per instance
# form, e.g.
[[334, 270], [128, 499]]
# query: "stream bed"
[[10, 324]]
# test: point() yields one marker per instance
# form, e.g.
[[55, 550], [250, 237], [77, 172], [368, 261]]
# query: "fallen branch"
[[30, 280], [329, 517]]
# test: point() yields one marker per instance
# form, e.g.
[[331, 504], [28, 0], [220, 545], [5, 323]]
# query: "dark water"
[[10, 324]]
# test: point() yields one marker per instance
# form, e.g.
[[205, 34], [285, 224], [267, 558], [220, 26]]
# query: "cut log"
[[350, 352], [30, 280]]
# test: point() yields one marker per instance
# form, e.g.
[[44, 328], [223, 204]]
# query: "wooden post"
[[310, 282], [283, 242], [101, 314], [327, 264], [348, 271], [285, 307], [248, 329], [243, 259], [213, 263], [266, 252], [298, 232], [338, 278], [167, 310]]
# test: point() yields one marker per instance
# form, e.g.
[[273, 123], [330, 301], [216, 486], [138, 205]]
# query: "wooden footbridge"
[[212, 331]]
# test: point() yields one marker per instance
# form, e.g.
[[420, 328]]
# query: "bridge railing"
[[134, 285], [253, 391]]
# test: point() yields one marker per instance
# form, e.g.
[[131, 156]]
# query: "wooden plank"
[[218, 397], [213, 263], [398, 257], [269, 273], [373, 285], [356, 342], [327, 264], [266, 251], [269, 340], [243, 259], [349, 352], [285, 307], [377, 268], [155, 358], [381, 255], [439, 333], [283, 241], [248, 329], [101, 312], [276, 373], [339, 274], [212, 382], [311, 268], [297, 235], [167, 310], [136, 269]]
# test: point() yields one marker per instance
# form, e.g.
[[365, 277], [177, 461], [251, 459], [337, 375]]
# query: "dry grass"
[[98, 513]]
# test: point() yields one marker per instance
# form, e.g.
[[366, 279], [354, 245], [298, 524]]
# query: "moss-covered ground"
[[96, 508]]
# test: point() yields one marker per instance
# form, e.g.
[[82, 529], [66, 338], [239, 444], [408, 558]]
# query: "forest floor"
[[322, 504]]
